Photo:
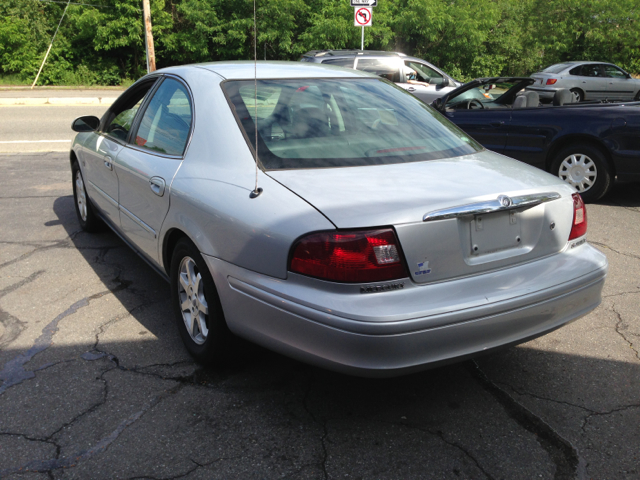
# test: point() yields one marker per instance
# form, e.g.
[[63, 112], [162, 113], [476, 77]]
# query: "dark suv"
[[424, 80]]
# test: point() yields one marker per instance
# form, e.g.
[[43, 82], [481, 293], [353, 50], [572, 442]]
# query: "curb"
[[57, 101]]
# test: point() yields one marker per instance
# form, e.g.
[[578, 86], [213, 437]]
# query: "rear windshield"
[[319, 123], [557, 68]]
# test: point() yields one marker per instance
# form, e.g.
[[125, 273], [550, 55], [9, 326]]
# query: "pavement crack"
[[620, 325], [604, 245], [569, 464], [13, 372], [323, 424], [546, 399], [59, 244], [45, 466]]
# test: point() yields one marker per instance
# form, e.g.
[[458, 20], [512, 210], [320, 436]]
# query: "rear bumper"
[[277, 314]]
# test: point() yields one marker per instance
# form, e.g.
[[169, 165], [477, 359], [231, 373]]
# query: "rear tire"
[[197, 306], [584, 167], [87, 218], [578, 95]]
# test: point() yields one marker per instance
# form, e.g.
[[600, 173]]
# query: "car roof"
[[351, 53], [246, 69]]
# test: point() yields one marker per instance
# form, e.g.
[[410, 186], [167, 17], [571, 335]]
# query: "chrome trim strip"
[[105, 195], [138, 221], [490, 206]]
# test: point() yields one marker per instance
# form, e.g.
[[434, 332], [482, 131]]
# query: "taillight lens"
[[551, 81], [579, 227], [350, 256]]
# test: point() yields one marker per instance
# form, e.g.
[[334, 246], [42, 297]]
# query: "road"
[[41, 128], [96, 382]]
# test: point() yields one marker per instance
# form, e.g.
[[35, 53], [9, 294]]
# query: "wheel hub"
[[81, 196], [578, 170], [193, 304]]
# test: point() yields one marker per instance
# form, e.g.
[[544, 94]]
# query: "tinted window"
[[576, 70], [122, 114], [339, 62], [166, 122], [385, 68], [557, 68], [591, 70], [615, 72], [314, 123]]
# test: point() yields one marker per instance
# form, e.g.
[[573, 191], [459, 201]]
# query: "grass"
[[11, 80]]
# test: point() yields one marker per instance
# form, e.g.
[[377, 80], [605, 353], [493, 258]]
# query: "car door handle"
[[497, 124], [411, 89], [157, 185], [107, 163]]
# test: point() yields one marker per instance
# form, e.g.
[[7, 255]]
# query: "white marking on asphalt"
[[33, 141]]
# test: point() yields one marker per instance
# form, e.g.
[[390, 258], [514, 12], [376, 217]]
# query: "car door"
[[104, 146], [487, 126], [147, 165], [594, 83], [619, 85], [428, 83]]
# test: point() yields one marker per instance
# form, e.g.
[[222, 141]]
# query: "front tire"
[[585, 168], [196, 305], [87, 218]]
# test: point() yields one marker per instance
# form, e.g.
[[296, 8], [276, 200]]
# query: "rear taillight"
[[350, 256], [551, 81], [579, 227]]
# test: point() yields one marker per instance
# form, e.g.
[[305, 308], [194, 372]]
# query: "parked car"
[[586, 144], [586, 81], [421, 78], [363, 232]]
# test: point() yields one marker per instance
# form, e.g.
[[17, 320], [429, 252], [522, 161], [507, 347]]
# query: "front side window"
[[614, 72], [320, 123], [425, 74], [383, 67], [166, 123], [122, 114]]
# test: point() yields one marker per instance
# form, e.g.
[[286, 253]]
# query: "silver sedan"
[[586, 81], [328, 215]]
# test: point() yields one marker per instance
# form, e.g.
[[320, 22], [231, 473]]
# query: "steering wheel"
[[474, 101]]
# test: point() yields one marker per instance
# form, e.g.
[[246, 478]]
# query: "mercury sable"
[[355, 228]]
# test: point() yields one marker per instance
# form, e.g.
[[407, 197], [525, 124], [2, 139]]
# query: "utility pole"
[[148, 37]]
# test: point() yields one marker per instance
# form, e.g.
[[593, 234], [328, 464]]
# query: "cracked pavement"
[[95, 382]]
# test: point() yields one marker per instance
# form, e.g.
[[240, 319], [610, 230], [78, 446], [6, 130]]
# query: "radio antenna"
[[256, 191]]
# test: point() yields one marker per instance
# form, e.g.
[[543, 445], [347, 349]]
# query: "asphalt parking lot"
[[96, 383]]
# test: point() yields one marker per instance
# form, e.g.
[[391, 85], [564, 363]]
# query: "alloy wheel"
[[578, 170], [193, 304], [81, 196]]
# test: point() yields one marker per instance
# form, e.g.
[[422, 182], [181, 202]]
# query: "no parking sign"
[[363, 16]]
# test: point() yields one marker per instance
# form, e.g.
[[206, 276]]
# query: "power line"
[[74, 3]]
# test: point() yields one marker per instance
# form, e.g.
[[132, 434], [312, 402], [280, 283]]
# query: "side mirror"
[[87, 123], [437, 103]]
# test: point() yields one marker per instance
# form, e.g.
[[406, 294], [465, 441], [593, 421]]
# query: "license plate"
[[495, 232]]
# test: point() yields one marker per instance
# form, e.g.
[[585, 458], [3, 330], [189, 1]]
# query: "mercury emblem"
[[504, 201]]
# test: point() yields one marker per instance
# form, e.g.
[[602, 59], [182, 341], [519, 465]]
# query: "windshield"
[[483, 94], [316, 123], [557, 68]]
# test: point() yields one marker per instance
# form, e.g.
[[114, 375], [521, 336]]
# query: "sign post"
[[363, 17]]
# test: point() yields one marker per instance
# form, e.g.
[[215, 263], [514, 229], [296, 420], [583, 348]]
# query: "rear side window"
[[166, 123], [320, 123], [576, 70], [385, 68], [339, 62], [591, 70]]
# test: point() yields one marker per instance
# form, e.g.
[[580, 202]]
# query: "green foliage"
[[467, 38]]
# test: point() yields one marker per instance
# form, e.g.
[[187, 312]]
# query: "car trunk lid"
[[402, 195]]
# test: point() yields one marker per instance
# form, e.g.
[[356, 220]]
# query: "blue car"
[[586, 144]]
